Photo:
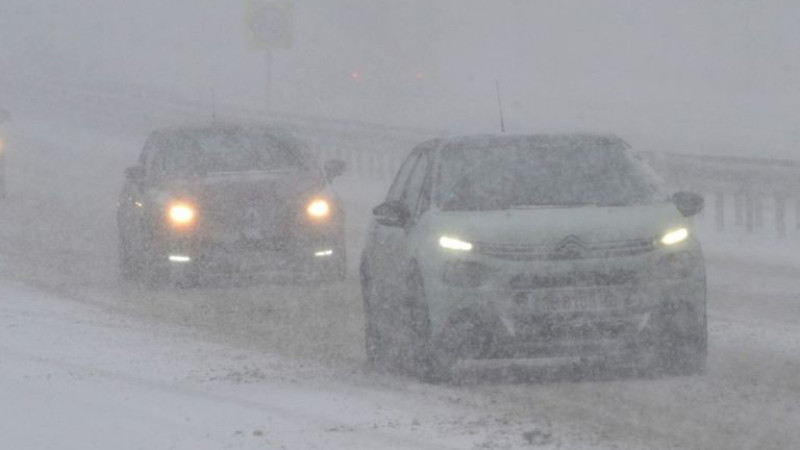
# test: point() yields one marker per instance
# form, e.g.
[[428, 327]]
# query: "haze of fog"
[[716, 77]]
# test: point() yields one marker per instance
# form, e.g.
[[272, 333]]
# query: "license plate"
[[573, 300]]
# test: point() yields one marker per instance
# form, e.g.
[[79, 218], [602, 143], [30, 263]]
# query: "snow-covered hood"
[[591, 224]]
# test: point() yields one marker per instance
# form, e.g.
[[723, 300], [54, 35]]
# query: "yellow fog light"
[[182, 214], [318, 209], [454, 244], [675, 236]]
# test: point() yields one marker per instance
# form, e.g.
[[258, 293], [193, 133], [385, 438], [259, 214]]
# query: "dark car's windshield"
[[522, 173], [200, 152]]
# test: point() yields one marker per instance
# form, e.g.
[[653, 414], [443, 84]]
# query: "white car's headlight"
[[675, 236], [452, 243]]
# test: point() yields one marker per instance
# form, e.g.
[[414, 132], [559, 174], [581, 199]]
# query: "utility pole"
[[268, 81], [269, 27]]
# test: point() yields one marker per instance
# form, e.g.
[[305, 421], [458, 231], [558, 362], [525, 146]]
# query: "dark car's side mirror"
[[392, 214], [334, 168], [688, 203], [5, 116], [135, 174]]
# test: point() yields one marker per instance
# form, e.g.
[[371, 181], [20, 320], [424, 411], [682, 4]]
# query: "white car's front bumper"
[[525, 309]]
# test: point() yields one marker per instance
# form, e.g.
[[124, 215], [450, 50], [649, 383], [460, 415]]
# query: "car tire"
[[154, 272], [681, 344], [374, 344], [127, 262], [421, 357], [340, 266]]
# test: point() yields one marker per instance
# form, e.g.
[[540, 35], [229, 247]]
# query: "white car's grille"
[[567, 249]]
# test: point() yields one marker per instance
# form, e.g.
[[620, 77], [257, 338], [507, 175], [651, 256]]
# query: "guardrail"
[[746, 196]]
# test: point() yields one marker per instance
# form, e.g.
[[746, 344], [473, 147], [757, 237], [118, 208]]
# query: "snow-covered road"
[[87, 361], [75, 377]]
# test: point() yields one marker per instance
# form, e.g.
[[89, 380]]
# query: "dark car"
[[541, 246], [228, 200]]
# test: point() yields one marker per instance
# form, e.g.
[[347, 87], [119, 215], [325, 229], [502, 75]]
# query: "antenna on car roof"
[[500, 106], [213, 104]]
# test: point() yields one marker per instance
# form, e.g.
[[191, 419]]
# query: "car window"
[[521, 174], [416, 182], [200, 152], [397, 189]]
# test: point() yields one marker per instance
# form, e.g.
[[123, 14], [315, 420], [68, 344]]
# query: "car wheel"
[[340, 265], [681, 343], [154, 272], [127, 262], [374, 345], [419, 355]]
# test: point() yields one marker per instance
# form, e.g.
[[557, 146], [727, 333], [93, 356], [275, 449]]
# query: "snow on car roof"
[[555, 139]]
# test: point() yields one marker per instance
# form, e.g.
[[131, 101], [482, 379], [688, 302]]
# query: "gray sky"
[[721, 73]]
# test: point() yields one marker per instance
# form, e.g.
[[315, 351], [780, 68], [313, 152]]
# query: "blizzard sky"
[[718, 76]]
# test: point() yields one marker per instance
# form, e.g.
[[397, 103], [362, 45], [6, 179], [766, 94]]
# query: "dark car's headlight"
[[181, 214], [318, 209]]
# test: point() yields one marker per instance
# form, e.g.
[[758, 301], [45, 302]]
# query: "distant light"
[[179, 258], [355, 75], [324, 253], [420, 75]]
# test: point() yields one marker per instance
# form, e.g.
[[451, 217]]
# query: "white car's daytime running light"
[[454, 244], [675, 236]]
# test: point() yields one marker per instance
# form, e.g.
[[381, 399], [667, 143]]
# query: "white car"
[[519, 247]]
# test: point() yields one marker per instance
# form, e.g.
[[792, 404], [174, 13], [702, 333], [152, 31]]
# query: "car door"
[[392, 242], [133, 201], [384, 239]]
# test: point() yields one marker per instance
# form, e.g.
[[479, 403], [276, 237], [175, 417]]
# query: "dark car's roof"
[[224, 127], [159, 140]]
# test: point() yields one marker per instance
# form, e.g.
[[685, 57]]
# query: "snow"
[[75, 377], [89, 361]]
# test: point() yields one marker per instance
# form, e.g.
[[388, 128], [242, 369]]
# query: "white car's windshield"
[[527, 174]]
